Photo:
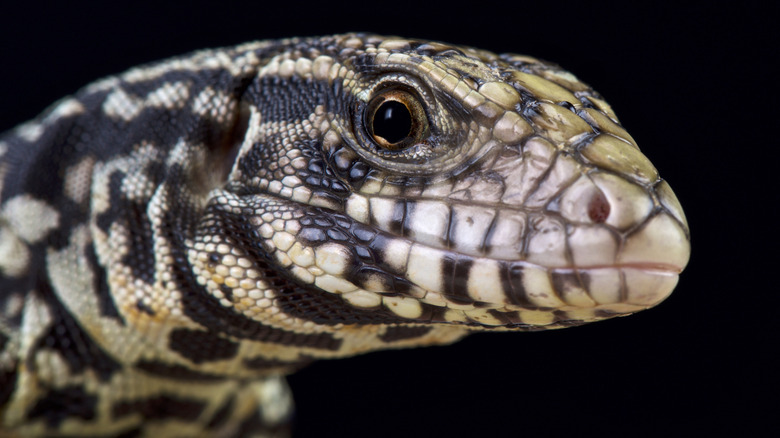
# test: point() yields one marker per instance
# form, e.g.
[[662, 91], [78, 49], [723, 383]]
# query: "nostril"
[[598, 208]]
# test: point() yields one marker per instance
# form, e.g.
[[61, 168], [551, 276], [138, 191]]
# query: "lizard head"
[[404, 182]]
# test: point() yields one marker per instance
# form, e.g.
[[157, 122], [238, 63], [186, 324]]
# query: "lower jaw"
[[576, 296]]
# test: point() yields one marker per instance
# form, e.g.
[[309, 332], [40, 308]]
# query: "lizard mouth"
[[532, 297], [370, 268], [661, 268]]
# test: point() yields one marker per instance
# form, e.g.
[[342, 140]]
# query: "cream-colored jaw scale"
[[527, 204]]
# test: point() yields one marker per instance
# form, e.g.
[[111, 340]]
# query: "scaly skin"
[[175, 239]]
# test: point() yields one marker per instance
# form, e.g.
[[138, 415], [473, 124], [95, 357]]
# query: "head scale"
[[495, 191]]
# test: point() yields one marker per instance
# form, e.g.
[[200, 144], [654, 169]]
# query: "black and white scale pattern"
[[176, 238]]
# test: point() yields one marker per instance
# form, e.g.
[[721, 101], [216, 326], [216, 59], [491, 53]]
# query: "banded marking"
[[201, 346], [223, 414], [159, 407], [64, 332], [176, 372], [58, 405], [401, 332], [428, 223]]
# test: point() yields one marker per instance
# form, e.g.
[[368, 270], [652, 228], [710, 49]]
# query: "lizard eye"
[[396, 120]]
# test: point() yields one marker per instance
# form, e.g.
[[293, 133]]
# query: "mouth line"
[[651, 267], [660, 268]]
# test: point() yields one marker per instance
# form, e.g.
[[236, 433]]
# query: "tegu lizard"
[[177, 238]]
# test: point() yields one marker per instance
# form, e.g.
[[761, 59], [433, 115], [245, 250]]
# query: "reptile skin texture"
[[176, 239]]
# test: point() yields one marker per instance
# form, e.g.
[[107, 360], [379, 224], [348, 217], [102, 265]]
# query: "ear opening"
[[222, 153], [232, 145]]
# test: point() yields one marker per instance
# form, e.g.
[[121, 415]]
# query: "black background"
[[694, 85]]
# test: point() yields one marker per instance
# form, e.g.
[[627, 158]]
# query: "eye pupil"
[[392, 121]]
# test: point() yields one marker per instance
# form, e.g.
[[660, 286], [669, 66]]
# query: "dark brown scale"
[[201, 346], [159, 408], [106, 305], [227, 291], [358, 171], [223, 414], [363, 233], [336, 235], [565, 280], [365, 254], [263, 363], [455, 275], [60, 404], [140, 305], [66, 337], [512, 282], [401, 332], [7, 382], [176, 372]]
